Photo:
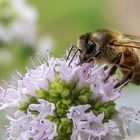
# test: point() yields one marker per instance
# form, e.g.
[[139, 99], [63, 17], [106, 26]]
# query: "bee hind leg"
[[126, 79], [113, 69]]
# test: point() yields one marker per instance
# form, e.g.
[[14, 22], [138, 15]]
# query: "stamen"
[[34, 65], [9, 84], [18, 73], [2, 89], [38, 59]]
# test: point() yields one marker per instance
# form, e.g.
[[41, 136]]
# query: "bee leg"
[[106, 67], [126, 79], [97, 53], [113, 69], [72, 47], [72, 58]]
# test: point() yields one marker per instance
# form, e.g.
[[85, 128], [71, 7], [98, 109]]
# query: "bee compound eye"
[[90, 47]]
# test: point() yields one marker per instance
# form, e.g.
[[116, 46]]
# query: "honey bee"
[[112, 48]]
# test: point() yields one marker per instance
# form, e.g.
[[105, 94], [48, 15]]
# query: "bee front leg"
[[71, 49], [97, 53], [113, 69], [126, 79]]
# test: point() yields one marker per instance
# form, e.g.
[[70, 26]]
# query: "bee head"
[[87, 46]]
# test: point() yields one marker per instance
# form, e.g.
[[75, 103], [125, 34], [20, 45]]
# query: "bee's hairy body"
[[103, 40]]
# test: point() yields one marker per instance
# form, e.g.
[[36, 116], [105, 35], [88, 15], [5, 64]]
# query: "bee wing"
[[132, 37], [127, 41]]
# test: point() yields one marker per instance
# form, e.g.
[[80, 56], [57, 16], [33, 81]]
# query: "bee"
[[112, 48]]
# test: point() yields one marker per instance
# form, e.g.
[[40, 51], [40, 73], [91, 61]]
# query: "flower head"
[[86, 123], [56, 101]]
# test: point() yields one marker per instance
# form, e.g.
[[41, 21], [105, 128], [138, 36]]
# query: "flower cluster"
[[55, 101], [14, 18], [19, 35]]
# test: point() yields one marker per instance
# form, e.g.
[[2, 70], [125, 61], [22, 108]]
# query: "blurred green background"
[[66, 20], [63, 21]]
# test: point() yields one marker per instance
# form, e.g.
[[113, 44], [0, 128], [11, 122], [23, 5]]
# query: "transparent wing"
[[132, 37], [127, 41]]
